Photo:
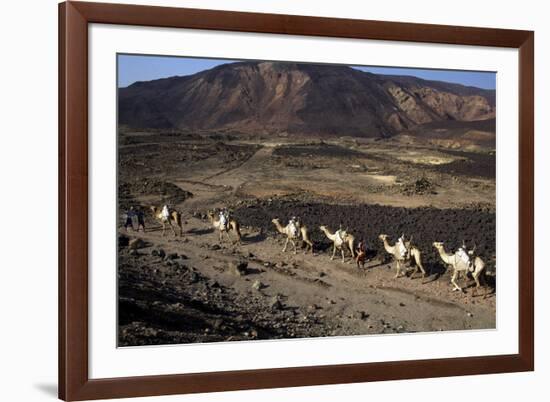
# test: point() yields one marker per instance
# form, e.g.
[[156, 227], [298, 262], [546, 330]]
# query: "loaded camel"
[[459, 265], [340, 243], [231, 224], [412, 253], [292, 235], [172, 218]]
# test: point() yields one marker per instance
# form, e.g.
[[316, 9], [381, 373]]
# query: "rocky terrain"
[[198, 289], [323, 100], [332, 145]]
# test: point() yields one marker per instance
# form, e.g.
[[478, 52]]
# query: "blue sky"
[[132, 68]]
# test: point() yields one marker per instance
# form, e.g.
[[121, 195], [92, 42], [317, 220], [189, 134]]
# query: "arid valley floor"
[[195, 289]]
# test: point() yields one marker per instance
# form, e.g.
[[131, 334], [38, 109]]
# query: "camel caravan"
[[404, 252]]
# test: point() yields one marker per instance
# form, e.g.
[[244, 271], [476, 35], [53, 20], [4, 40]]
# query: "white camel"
[[459, 265], [411, 254], [340, 243], [293, 234]]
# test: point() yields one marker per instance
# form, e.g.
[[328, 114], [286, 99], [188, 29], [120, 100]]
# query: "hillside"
[[272, 97]]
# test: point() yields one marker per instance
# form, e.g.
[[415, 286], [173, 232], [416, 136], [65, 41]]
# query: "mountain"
[[274, 97]]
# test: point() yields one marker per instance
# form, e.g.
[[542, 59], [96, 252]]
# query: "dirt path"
[[194, 291], [213, 190], [257, 159], [342, 299]]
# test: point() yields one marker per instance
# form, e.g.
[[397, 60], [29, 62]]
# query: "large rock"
[[275, 303], [257, 285], [239, 268], [136, 244], [123, 240]]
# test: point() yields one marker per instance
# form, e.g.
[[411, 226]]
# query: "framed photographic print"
[[258, 200]]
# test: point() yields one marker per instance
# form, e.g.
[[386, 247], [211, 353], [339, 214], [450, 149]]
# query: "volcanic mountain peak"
[[321, 99]]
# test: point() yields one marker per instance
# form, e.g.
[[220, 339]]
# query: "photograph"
[[275, 201], [269, 200]]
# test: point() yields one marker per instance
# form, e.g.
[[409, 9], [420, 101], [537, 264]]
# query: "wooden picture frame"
[[74, 381]]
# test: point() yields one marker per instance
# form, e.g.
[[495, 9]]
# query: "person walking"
[[130, 219], [140, 219]]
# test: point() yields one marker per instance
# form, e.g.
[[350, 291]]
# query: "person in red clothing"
[[361, 252]]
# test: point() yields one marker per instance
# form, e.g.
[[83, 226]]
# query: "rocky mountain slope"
[[273, 97]]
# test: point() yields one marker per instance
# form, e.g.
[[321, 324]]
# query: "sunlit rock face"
[[299, 99]]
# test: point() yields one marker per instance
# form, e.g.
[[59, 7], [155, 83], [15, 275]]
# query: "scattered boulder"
[[257, 285], [313, 307], [136, 244], [170, 192], [123, 240], [239, 268], [361, 315], [275, 303], [420, 187], [193, 277]]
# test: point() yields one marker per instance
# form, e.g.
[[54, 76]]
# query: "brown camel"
[[232, 224], [173, 219]]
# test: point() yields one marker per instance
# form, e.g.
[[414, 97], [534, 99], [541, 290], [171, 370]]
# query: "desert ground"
[[195, 288]]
